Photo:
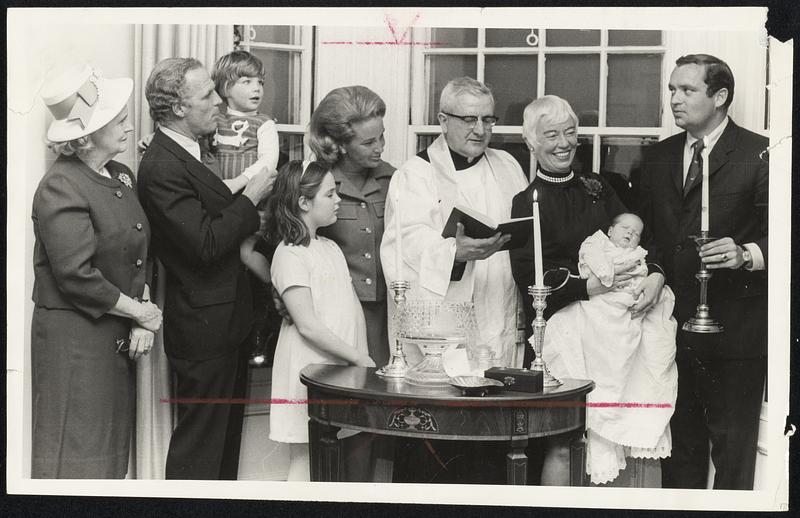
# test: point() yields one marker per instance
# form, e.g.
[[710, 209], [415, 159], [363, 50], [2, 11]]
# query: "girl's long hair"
[[284, 222]]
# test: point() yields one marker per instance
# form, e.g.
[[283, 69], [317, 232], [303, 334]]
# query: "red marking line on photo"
[[403, 402], [409, 43], [397, 39]]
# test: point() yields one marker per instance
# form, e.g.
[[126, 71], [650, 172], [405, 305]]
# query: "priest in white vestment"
[[458, 169]]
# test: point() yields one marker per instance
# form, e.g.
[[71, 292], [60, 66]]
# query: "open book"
[[481, 226]]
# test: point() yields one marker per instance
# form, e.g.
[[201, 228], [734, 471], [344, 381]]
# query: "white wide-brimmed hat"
[[82, 102]]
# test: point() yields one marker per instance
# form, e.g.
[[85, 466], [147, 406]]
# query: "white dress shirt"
[[189, 144]]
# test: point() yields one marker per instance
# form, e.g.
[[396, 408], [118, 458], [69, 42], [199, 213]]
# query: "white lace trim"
[[605, 459]]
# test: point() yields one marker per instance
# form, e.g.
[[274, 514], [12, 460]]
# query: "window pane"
[[513, 82], [455, 37], [583, 155], [272, 34], [634, 90], [621, 159], [621, 38], [511, 38], [576, 79], [424, 141], [515, 146], [238, 36], [572, 37], [281, 85], [290, 147], [442, 69]]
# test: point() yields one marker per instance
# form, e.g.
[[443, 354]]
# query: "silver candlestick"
[[702, 322], [398, 365], [539, 294]]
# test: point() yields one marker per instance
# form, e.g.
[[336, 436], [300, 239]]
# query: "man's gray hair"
[[166, 86], [460, 86], [551, 106]]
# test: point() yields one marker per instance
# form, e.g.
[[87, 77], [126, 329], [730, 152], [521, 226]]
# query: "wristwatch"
[[747, 257]]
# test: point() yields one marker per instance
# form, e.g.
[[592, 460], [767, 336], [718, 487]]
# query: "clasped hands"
[[148, 316], [147, 321]]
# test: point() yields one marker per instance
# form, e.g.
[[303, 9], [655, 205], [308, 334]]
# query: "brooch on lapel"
[[593, 187], [125, 179]]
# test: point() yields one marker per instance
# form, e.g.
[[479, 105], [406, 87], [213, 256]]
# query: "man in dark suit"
[[198, 225], [720, 376]]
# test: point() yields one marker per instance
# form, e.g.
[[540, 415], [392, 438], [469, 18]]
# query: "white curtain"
[[385, 69], [154, 412]]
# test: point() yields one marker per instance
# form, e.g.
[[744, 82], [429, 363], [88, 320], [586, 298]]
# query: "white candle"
[[537, 242], [704, 203], [398, 249]]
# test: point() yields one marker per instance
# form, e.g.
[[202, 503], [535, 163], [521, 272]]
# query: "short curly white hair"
[[551, 106], [71, 147]]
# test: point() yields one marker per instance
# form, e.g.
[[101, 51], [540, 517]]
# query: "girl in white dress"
[[310, 274]]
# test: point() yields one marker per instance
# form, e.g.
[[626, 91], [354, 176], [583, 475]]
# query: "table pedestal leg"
[[326, 452], [517, 463], [577, 460]]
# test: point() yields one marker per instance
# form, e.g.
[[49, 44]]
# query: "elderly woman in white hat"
[[92, 317]]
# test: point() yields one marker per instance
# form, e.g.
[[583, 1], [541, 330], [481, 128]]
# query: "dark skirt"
[[377, 331], [83, 395]]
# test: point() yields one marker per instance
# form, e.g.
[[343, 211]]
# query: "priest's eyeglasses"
[[470, 120]]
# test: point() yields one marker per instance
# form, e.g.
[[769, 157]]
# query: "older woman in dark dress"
[[572, 206], [91, 318], [346, 131]]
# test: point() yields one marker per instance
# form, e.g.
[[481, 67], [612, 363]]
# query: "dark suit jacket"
[[198, 226], [738, 193]]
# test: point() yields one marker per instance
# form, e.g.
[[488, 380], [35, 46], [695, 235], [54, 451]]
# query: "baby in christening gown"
[[631, 360]]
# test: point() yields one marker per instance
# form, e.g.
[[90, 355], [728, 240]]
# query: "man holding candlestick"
[[711, 177]]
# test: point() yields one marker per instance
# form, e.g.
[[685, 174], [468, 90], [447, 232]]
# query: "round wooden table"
[[355, 398]]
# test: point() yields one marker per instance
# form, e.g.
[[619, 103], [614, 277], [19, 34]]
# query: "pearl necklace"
[[554, 179]]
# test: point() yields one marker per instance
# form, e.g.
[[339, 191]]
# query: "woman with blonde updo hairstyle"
[[346, 131]]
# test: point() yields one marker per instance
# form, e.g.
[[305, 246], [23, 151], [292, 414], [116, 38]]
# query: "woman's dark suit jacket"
[[91, 238]]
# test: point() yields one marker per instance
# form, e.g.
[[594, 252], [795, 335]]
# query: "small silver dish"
[[476, 385]]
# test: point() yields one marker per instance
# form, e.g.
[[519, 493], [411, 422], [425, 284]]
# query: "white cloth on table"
[[321, 267], [428, 191], [631, 361]]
